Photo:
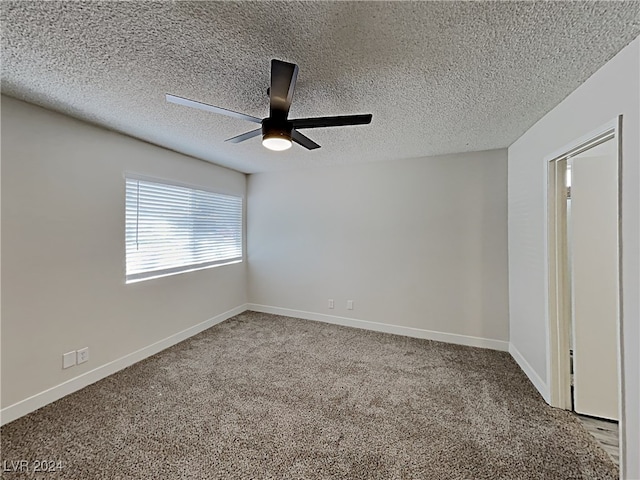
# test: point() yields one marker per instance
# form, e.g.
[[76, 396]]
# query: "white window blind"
[[172, 229]]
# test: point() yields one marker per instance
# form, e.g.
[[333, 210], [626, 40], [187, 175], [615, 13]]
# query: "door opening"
[[583, 249]]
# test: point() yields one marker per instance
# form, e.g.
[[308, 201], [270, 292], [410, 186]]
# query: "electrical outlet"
[[331, 303], [69, 359], [349, 304], [83, 355]]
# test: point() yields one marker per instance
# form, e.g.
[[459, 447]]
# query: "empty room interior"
[[320, 240]]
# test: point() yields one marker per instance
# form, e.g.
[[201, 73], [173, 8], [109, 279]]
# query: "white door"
[[593, 240]]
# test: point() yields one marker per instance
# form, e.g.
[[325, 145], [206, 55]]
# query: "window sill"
[[164, 273]]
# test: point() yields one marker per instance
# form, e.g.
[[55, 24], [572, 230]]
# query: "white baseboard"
[[540, 385], [28, 405], [385, 327]]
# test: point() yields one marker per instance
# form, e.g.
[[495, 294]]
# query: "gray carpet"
[[263, 396]]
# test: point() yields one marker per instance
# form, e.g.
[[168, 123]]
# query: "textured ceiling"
[[438, 77]]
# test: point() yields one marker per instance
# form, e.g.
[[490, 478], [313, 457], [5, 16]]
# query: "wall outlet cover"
[[83, 355]]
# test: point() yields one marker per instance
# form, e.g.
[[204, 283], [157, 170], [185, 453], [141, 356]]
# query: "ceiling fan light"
[[276, 142]]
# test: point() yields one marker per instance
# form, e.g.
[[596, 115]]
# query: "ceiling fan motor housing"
[[276, 128]]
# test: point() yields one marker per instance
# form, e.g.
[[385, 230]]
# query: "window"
[[172, 229]]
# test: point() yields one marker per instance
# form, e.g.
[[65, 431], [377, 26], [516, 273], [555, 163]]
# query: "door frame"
[[558, 306]]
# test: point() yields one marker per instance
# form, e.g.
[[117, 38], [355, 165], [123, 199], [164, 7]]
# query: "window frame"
[[170, 271]]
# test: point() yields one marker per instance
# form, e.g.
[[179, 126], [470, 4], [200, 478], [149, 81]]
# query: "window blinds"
[[172, 229]]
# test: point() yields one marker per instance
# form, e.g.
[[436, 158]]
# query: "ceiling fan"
[[277, 130]]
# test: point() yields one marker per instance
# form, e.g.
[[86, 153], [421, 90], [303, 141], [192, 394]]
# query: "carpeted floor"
[[262, 396]]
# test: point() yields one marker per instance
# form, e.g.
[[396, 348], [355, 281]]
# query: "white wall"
[[63, 251], [611, 91], [415, 243]]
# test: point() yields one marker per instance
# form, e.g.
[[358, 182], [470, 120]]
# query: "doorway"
[[583, 199]]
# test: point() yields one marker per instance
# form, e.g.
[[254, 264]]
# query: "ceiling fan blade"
[[306, 142], [283, 82], [338, 121], [210, 108], [244, 136]]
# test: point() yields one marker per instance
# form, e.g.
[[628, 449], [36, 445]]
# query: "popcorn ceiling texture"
[[438, 77], [269, 397]]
